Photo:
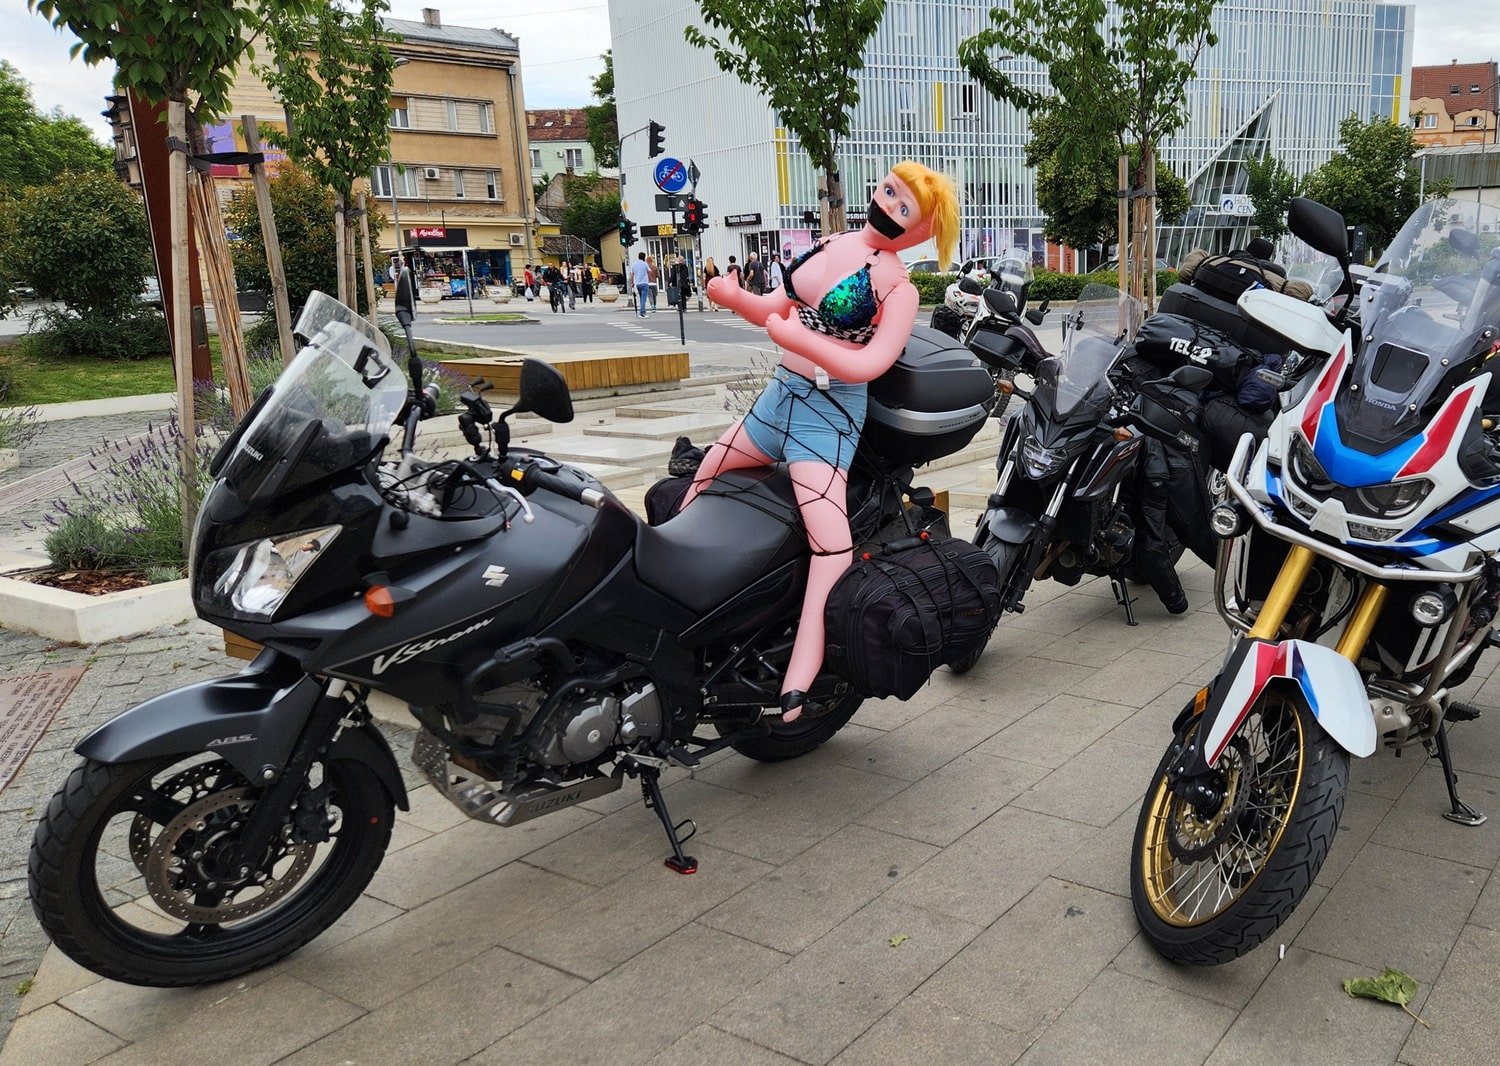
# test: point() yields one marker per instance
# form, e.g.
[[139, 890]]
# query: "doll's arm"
[[752, 308], [898, 313]]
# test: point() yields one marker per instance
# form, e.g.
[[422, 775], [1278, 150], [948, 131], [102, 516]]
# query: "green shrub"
[[932, 288], [85, 540], [134, 333]]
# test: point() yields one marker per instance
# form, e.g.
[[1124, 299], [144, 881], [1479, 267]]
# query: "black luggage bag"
[[898, 614]]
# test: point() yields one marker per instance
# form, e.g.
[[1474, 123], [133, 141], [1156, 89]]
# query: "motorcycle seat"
[[741, 526]]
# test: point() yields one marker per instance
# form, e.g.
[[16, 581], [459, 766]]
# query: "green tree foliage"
[[603, 123], [10, 298], [182, 50], [1371, 180], [36, 147], [82, 239], [333, 69], [304, 229], [592, 206], [801, 55], [1079, 199], [1271, 187]]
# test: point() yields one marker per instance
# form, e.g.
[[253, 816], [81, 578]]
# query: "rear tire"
[[789, 740], [1207, 889], [1006, 557], [122, 867]]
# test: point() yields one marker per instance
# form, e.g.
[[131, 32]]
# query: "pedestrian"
[[530, 278], [679, 282], [774, 275], [732, 272], [755, 275], [653, 278], [710, 271], [588, 285], [575, 281], [640, 277]]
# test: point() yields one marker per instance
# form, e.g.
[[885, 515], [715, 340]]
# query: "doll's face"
[[907, 227]]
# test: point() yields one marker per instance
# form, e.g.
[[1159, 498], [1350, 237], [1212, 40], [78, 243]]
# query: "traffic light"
[[656, 131], [627, 232], [695, 216]]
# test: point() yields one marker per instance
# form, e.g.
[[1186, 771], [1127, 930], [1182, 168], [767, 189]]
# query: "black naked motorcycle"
[[549, 642], [1063, 505]]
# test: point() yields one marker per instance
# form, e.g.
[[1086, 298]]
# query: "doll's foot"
[[794, 702]]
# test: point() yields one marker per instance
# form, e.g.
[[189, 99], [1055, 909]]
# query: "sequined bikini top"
[[847, 311]]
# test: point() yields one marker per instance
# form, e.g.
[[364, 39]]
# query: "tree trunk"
[[1148, 222], [833, 212], [364, 245], [182, 327], [340, 240], [1122, 245]]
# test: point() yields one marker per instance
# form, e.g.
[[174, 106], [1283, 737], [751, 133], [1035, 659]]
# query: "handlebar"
[[529, 477]]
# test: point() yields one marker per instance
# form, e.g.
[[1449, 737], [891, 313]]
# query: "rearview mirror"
[[1322, 227], [544, 392], [406, 297]]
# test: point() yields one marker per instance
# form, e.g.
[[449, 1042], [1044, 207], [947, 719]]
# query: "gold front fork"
[[1284, 592]]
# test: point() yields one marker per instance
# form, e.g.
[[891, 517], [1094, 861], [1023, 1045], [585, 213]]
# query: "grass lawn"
[[501, 317]]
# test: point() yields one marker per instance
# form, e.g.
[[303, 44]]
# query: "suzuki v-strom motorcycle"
[[549, 642], [1358, 574]]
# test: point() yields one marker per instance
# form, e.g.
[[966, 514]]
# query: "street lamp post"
[[390, 155]]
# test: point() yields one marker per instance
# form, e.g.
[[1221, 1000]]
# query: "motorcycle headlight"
[[1305, 469], [1040, 462], [1394, 500], [255, 578]]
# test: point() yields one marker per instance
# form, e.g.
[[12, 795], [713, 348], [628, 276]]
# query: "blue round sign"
[[671, 175]]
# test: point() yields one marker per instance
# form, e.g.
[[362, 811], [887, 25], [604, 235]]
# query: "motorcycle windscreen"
[[1431, 312], [329, 411], [1077, 383]]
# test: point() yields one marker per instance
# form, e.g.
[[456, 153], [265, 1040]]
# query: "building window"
[[458, 184], [452, 114], [492, 184], [486, 118], [1474, 88], [1429, 121], [400, 119], [968, 98], [536, 159], [575, 158], [1453, 90], [406, 182]]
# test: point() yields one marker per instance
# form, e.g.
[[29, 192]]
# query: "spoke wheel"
[[134, 874], [1210, 884]]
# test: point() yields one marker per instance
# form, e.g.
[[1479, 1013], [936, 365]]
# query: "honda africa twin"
[[1358, 575], [549, 642]]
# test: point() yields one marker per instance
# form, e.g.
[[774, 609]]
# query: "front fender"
[[1330, 684], [1011, 524], [251, 720]]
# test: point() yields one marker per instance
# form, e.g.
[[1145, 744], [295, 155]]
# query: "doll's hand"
[[724, 292], [784, 329]]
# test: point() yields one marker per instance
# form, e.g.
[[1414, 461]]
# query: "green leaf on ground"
[[897, 941], [1393, 986]]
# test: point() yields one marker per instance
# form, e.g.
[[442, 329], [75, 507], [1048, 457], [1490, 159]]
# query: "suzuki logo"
[[495, 576]]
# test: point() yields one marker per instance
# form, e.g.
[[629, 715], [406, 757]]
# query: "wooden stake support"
[[364, 244], [182, 348], [273, 245], [208, 222]]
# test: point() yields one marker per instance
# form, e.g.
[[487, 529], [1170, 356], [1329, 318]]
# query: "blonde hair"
[[938, 199]]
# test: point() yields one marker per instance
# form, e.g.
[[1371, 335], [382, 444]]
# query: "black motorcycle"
[[549, 642]]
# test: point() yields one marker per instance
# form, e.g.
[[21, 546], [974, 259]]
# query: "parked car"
[[922, 266], [1114, 264], [150, 294]]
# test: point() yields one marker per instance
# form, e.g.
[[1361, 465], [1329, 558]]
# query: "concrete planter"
[[431, 296], [607, 293], [10, 458], [74, 618], [500, 297]]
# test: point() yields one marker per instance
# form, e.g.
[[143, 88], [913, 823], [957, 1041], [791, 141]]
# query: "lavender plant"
[[128, 515], [18, 425]]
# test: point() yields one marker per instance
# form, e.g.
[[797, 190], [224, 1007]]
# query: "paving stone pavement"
[[947, 878]]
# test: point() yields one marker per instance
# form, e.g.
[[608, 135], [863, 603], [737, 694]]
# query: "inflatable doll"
[[841, 318]]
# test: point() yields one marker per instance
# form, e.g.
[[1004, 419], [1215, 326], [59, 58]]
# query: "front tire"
[[1006, 557], [123, 875], [1208, 886]]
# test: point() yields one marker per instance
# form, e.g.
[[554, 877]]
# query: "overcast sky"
[[560, 47]]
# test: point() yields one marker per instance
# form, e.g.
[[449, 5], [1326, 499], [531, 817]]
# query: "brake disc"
[[1191, 837], [183, 872], [199, 780]]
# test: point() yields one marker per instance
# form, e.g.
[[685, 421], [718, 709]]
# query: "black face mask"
[[884, 224]]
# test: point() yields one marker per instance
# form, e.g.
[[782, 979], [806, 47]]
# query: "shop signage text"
[[751, 219]]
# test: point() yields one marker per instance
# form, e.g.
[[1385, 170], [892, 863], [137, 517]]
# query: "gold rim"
[[1263, 770]]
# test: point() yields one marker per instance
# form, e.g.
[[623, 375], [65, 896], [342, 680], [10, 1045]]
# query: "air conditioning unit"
[[1486, 227], [516, 240], [431, 173]]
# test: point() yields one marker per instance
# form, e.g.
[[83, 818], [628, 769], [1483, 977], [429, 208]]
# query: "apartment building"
[[457, 181], [1454, 104], [560, 145]]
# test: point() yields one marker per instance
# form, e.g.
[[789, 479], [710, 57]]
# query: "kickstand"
[[651, 791], [1461, 813], [1123, 598]]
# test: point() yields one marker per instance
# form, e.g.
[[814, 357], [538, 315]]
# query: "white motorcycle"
[[1357, 572]]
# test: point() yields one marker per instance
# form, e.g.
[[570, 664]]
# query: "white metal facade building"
[[1283, 75]]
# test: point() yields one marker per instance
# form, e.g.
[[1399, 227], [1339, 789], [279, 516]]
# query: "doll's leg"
[[822, 491], [733, 451]]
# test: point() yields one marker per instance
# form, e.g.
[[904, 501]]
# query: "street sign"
[[669, 201], [670, 175], [693, 173]]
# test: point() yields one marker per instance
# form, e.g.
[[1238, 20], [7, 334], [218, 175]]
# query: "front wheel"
[[1210, 884], [131, 872], [1006, 556]]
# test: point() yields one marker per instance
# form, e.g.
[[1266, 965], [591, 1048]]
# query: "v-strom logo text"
[[407, 652]]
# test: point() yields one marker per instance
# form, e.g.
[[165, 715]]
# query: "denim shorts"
[[794, 421]]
